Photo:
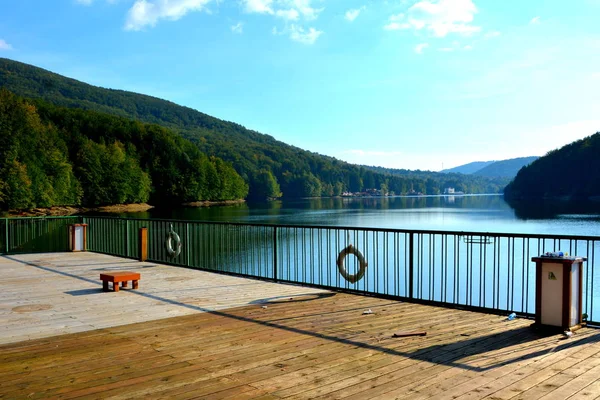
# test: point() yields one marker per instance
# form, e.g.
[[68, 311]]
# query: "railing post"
[[127, 241], [411, 264], [187, 243], [143, 244], [275, 253], [6, 234]]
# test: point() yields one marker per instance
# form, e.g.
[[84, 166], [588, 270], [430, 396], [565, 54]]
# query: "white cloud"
[[492, 34], [353, 13], [148, 12], [304, 7], [290, 11], [287, 9], [258, 6], [420, 47], [535, 21], [439, 18], [84, 2], [238, 28], [4, 45], [298, 34], [291, 14]]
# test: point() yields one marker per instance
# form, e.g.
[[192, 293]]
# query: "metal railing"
[[35, 234], [489, 272]]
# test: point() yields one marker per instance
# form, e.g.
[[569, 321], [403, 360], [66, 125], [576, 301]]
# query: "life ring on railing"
[[352, 278], [173, 238]]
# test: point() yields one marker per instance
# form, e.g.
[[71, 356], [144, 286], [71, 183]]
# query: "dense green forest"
[[271, 168], [57, 156], [571, 172]]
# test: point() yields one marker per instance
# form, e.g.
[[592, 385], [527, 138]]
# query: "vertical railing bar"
[[589, 253], [457, 266], [6, 235], [187, 244], [275, 254], [422, 285], [411, 265], [482, 253]]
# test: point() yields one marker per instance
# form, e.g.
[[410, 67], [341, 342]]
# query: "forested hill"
[[53, 155], [571, 172], [270, 167]]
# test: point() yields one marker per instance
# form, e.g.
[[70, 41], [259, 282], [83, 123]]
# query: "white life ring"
[[173, 237], [361, 261]]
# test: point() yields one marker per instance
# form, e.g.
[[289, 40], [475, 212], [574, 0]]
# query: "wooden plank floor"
[[315, 346], [51, 294]]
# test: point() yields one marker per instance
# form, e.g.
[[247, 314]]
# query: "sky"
[[414, 84]]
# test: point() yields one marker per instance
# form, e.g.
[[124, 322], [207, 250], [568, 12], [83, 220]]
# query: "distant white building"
[[449, 190]]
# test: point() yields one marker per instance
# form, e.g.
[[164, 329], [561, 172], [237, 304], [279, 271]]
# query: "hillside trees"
[[34, 169], [57, 156], [571, 172]]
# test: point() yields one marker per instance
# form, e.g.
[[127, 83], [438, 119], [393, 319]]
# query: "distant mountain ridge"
[[506, 168], [469, 168], [493, 169]]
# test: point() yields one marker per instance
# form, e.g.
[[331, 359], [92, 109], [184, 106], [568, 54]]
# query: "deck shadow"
[[448, 354], [294, 299], [503, 343], [84, 292]]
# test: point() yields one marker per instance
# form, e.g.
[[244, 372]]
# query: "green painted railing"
[[483, 271], [241, 249], [490, 272], [35, 234]]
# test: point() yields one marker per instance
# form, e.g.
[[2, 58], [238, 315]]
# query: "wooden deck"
[[318, 345], [51, 294]]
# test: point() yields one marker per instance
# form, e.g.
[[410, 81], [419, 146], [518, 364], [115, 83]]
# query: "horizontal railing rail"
[[484, 271]]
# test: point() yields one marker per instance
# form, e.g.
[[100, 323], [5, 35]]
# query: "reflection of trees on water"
[[549, 209]]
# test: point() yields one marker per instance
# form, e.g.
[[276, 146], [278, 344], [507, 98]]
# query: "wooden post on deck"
[[143, 244]]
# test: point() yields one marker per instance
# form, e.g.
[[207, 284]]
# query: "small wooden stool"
[[122, 277]]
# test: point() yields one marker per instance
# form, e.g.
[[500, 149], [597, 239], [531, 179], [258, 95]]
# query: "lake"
[[477, 213]]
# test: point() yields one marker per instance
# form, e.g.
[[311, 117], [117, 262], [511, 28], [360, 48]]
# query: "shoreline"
[[207, 203], [64, 211]]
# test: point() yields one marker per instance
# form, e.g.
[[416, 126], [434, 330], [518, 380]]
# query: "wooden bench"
[[122, 277]]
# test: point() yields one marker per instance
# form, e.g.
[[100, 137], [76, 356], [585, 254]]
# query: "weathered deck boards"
[[51, 294], [317, 346]]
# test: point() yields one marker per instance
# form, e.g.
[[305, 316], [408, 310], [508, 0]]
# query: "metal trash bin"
[[558, 294], [78, 237]]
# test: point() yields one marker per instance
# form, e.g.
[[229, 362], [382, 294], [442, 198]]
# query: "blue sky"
[[397, 83]]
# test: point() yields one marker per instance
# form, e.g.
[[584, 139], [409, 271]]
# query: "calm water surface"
[[452, 213]]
